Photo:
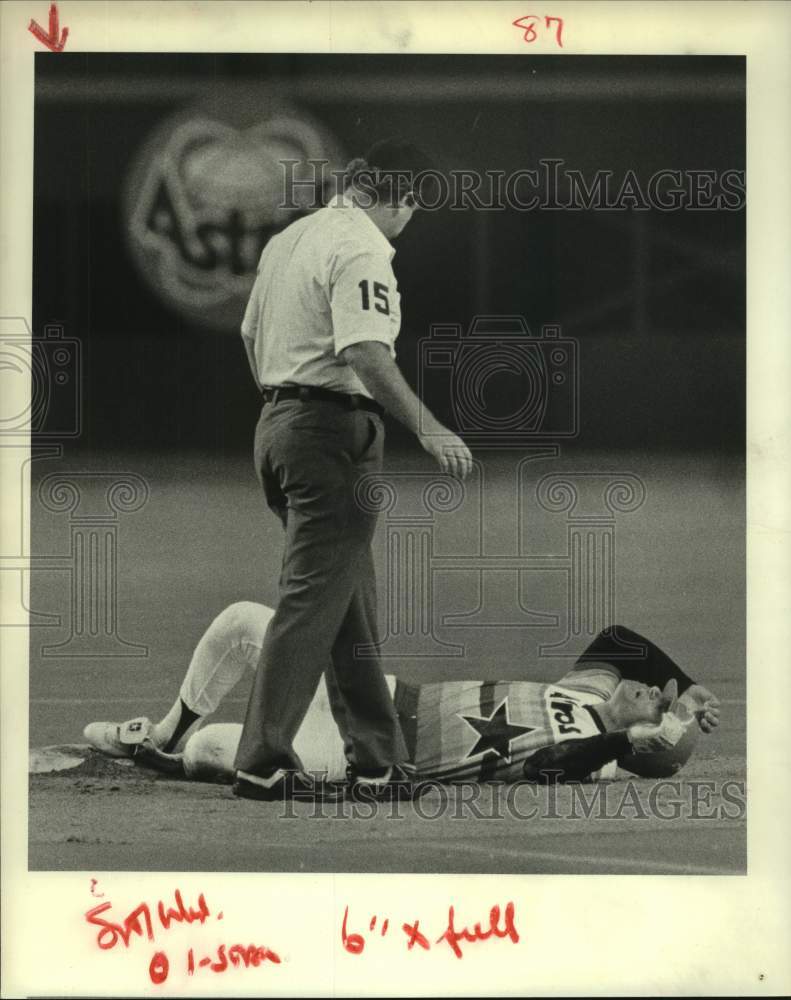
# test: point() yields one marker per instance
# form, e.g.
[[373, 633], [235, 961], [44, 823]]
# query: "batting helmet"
[[666, 763]]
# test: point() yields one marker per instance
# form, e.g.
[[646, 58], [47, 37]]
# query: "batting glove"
[[647, 737]]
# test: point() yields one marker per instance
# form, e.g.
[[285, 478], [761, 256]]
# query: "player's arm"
[[650, 665], [575, 759]]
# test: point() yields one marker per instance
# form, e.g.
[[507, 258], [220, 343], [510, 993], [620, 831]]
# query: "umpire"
[[319, 331]]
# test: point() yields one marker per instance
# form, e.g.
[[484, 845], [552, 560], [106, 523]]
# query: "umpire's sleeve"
[[362, 292]]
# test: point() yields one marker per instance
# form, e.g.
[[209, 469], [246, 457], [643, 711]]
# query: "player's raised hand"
[[451, 453], [704, 705], [709, 717]]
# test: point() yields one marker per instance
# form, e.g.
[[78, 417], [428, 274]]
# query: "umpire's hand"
[[451, 453]]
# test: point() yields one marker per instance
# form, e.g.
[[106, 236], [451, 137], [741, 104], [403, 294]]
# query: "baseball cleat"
[[117, 739], [132, 739]]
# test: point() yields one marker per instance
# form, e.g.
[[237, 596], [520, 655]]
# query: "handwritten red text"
[[54, 38], [237, 955], [140, 921], [528, 24], [147, 921], [454, 937], [500, 925]]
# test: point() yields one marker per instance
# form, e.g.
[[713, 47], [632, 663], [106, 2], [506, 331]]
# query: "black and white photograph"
[[379, 504]]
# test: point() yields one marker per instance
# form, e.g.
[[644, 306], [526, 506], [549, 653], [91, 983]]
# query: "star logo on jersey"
[[496, 733]]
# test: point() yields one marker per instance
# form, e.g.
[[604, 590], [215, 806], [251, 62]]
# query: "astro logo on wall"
[[204, 196]]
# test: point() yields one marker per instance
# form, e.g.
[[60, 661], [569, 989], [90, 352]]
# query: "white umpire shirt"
[[323, 283]]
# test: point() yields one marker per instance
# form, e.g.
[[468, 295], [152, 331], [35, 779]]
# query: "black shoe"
[[284, 785], [385, 785]]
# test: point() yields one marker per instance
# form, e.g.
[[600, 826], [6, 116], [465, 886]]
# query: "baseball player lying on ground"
[[624, 701]]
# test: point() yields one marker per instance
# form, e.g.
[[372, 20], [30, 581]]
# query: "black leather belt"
[[350, 401]]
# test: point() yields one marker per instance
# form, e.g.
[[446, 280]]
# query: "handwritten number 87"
[[527, 24]]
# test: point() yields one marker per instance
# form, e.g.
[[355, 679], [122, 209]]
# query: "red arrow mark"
[[50, 39]]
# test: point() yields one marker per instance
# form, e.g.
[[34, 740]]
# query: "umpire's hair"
[[389, 170]]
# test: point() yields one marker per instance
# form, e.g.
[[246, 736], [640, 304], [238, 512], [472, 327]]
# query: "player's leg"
[[210, 752], [228, 647], [236, 638]]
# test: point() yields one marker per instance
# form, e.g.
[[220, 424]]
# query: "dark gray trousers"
[[309, 455]]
